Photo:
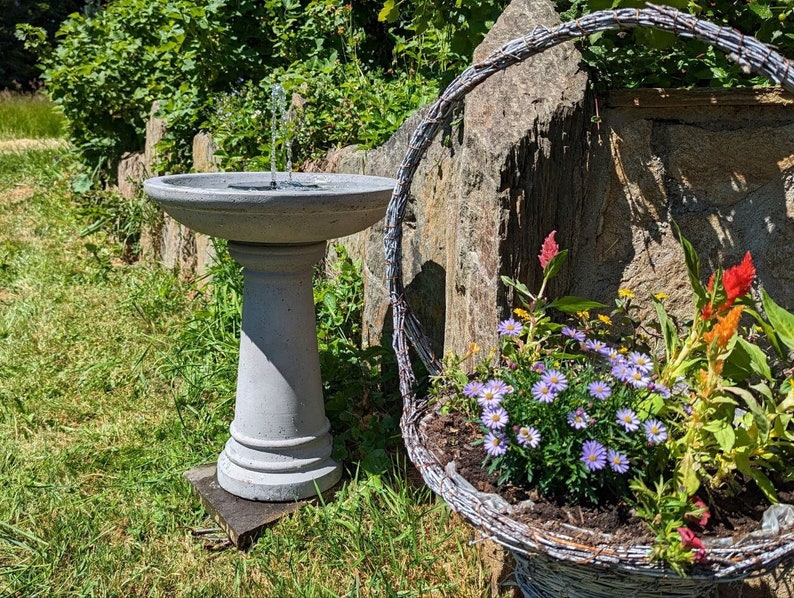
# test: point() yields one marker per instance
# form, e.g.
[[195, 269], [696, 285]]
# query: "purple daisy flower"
[[528, 436], [492, 393], [612, 356], [473, 388], [594, 455], [595, 345], [617, 461], [538, 367], [510, 327], [641, 361], [638, 379], [495, 445], [495, 419], [655, 431], [573, 333], [628, 419], [556, 380], [621, 371], [578, 419], [662, 390], [542, 392], [500, 387], [599, 390]]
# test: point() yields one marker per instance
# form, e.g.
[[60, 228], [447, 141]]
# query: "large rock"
[[721, 169]]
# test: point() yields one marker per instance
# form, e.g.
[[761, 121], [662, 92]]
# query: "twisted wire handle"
[[748, 52]]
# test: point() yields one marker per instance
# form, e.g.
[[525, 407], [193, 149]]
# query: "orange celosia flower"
[[725, 328], [736, 281]]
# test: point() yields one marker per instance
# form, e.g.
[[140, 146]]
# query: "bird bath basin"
[[280, 445]]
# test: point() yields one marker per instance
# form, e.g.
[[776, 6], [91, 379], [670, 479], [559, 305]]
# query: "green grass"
[[92, 499], [29, 116]]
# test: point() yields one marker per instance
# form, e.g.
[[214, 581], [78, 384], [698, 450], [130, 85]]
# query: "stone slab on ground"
[[242, 520]]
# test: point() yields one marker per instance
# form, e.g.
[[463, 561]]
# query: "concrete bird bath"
[[280, 445]]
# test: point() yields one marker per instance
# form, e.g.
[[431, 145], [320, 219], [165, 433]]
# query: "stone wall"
[[168, 241]]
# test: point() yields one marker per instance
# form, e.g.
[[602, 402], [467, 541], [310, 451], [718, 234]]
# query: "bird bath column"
[[280, 445]]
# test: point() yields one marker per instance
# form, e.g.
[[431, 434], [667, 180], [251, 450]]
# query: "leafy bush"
[[338, 105], [108, 68], [652, 58]]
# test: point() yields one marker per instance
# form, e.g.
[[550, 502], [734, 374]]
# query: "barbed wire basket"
[[551, 563]]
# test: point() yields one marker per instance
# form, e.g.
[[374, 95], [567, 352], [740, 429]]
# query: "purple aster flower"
[[638, 379], [661, 390], [528, 436], [473, 388], [621, 371], [612, 356], [594, 455], [655, 431], [628, 419], [542, 392], [556, 380], [495, 419], [594, 345], [641, 361], [599, 390], [578, 419], [510, 327], [538, 367], [492, 393], [617, 461], [573, 333], [500, 387], [495, 445]]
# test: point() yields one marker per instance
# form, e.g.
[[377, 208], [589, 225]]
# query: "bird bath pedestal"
[[280, 445]]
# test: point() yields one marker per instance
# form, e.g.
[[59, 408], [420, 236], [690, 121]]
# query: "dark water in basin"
[[275, 186]]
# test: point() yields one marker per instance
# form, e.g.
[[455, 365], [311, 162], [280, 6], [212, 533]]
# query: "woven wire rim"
[[725, 564]]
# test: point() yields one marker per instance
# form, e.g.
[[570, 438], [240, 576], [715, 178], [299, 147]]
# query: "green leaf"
[[555, 263], [570, 304], [518, 286], [725, 437], [669, 331], [747, 358], [782, 320], [389, 13], [765, 485], [759, 8], [692, 267]]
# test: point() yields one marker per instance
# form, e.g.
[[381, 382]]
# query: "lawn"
[[102, 410]]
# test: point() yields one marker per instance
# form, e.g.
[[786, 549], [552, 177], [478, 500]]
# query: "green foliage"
[[653, 58], [359, 383], [438, 38], [335, 106]]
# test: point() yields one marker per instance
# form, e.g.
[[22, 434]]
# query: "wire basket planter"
[[549, 563]]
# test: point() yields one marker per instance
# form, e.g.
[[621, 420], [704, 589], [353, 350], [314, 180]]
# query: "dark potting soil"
[[450, 436]]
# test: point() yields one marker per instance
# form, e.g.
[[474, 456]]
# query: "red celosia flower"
[[690, 540], [703, 518], [548, 250], [736, 281]]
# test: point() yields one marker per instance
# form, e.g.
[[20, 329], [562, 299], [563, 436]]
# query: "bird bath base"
[[243, 521]]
